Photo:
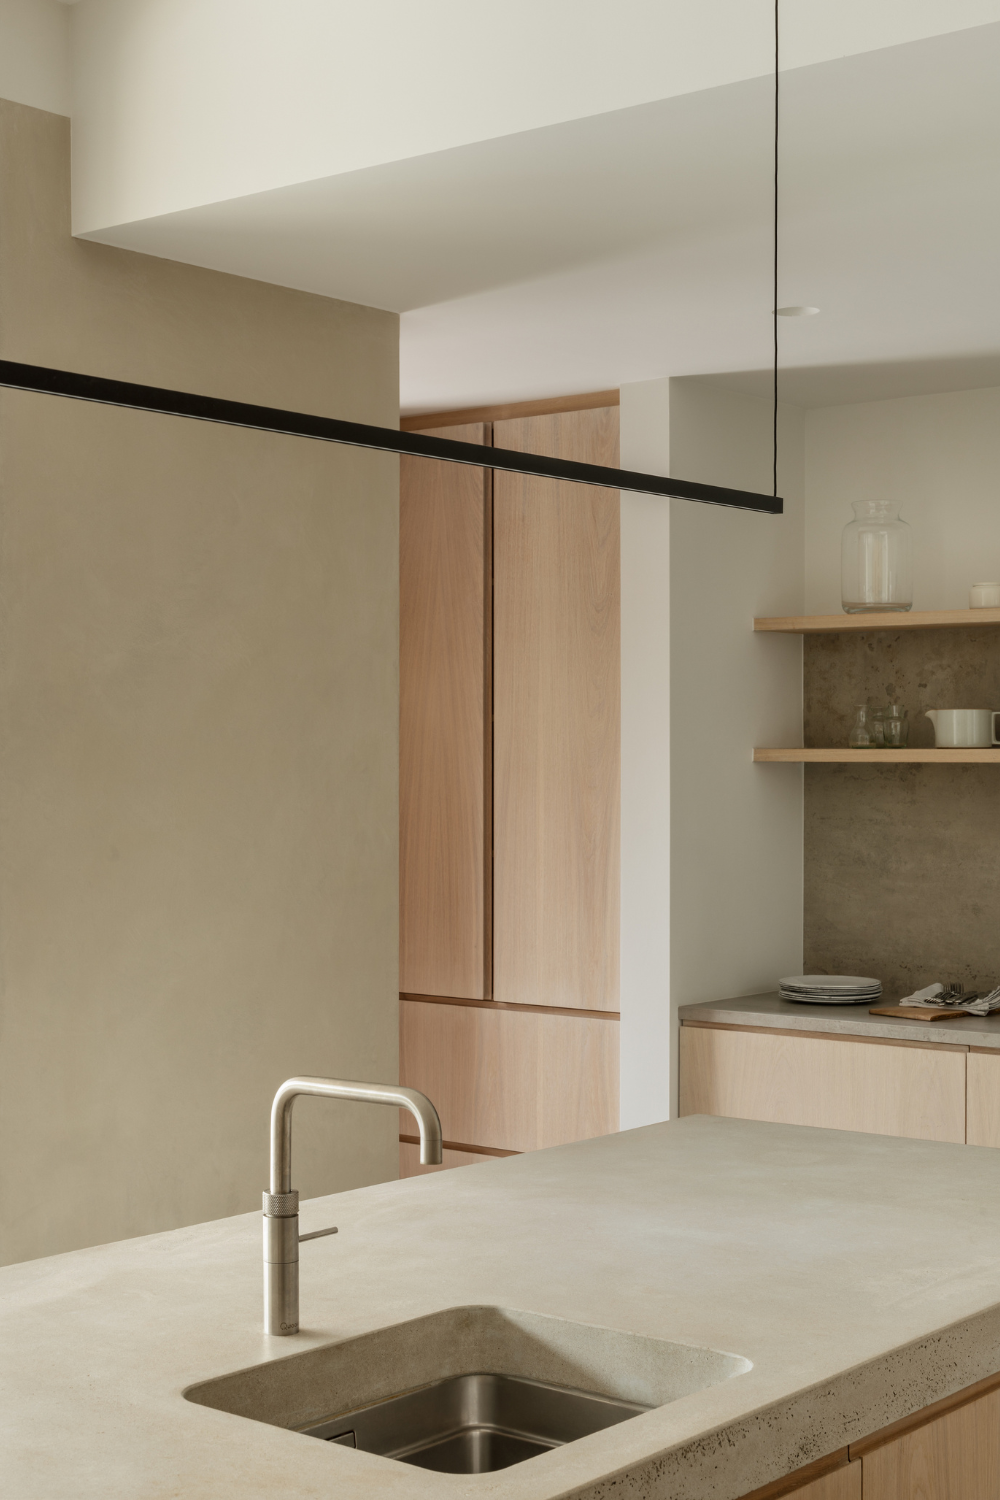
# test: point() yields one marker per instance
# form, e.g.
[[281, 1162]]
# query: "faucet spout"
[[341, 1088], [281, 1204]]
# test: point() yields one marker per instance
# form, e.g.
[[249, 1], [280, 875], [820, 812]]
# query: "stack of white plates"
[[830, 989]]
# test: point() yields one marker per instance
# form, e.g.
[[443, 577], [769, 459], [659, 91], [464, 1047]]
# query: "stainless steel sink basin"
[[474, 1424], [467, 1389]]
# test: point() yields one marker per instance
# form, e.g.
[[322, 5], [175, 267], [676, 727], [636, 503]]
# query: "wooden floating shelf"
[[973, 756], [927, 619]]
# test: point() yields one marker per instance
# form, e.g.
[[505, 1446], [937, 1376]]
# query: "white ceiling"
[[537, 238], [890, 224]]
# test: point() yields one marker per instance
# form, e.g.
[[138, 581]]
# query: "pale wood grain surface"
[[925, 619], [841, 1483], [517, 1080], [956, 1457], [983, 1105], [557, 721], [907, 1091], [544, 406], [444, 728], [972, 755], [409, 1160]]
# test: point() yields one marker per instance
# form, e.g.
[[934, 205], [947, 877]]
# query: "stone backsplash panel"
[[902, 862]]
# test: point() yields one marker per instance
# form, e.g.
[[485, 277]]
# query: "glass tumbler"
[[895, 727], [861, 737], [876, 559]]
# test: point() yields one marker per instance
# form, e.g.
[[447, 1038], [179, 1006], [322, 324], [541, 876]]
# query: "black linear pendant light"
[[127, 393]]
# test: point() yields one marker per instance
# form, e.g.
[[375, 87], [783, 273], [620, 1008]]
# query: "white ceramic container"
[[965, 727]]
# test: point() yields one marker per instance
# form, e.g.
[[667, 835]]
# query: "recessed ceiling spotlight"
[[797, 312]]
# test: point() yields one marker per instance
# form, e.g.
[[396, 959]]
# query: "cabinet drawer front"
[[955, 1457], [984, 1099], [841, 1085], [516, 1080]]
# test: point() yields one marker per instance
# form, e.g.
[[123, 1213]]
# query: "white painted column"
[[645, 811], [711, 843]]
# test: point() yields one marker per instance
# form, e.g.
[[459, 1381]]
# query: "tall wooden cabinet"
[[557, 674], [445, 736], [509, 789]]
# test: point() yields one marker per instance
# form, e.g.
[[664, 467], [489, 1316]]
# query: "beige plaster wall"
[[198, 718]]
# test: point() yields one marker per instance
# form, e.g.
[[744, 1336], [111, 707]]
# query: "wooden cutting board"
[[917, 1012]]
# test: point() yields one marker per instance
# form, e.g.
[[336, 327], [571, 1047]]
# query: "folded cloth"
[[936, 995]]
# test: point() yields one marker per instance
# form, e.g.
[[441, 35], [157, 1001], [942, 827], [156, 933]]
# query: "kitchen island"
[[854, 1279]]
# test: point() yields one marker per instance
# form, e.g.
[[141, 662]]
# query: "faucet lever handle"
[[317, 1234]]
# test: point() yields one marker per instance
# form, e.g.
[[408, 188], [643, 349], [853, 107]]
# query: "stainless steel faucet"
[[281, 1204]]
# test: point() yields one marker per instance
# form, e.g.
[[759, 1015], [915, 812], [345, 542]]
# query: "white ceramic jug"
[[964, 726]]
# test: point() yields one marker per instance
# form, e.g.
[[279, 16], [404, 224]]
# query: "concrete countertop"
[[847, 1020], [860, 1274]]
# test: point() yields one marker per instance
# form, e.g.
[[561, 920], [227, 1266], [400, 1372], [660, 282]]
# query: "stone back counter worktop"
[[769, 1009], [854, 1279]]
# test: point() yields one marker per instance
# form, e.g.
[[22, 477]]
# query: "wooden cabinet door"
[[557, 719], [409, 1160], [983, 1118], [444, 725], [516, 1080], [954, 1457], [843, 1483], [842, 1084]]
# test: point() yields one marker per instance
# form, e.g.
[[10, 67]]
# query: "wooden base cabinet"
[[841, 1483], [983, 1083], [840, 1083], [955, 1456], [949, 1451]]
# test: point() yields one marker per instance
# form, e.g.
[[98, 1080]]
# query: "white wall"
[[722, 915], [35, 54], [645, 748], [939, 458]]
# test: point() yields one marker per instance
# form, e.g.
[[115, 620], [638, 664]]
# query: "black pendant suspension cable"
[[774, 304], [151, 398]]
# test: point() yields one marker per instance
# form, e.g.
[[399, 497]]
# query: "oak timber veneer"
[[982, 1118], [433, 421], [953, 1457], [509, 1079], [556, 753], [542, 1068], [409, 1160], [444, 725], [841, 1083], [841, 1482]]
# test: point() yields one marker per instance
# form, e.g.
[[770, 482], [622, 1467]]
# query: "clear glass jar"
[[861, 737], [876, 559], [895, 727]]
